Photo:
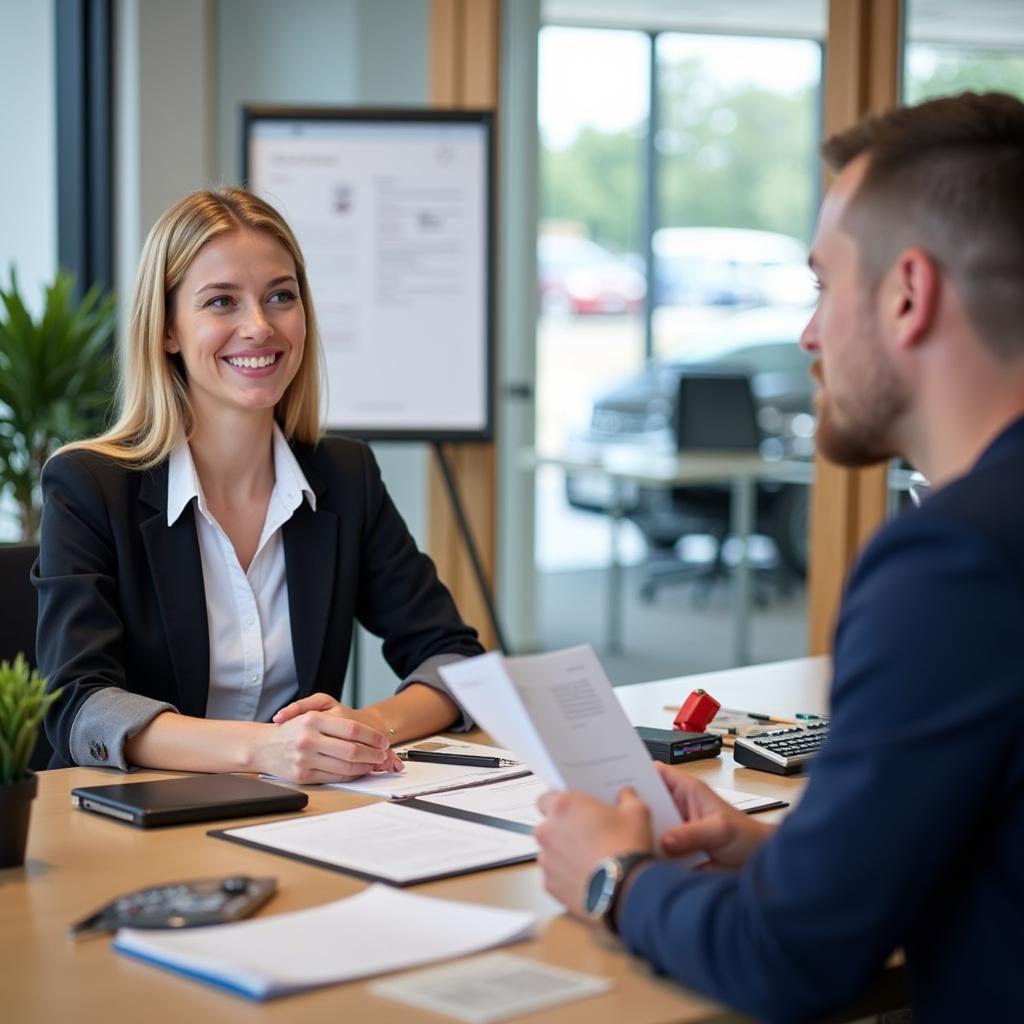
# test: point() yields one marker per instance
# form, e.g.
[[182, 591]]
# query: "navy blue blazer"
[[911, 830], [121, 596]]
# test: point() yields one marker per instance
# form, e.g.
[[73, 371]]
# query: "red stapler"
[[698, 709]]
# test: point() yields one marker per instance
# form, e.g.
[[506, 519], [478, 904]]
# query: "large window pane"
[[737, 180], [592, 127], [954, 47]]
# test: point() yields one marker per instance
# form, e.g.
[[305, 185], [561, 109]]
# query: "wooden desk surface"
[[78, 861]]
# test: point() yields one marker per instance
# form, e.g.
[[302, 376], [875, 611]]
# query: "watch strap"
[[628, 863]]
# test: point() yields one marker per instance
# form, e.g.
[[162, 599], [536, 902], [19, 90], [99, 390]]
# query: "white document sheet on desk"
[[429, 777], [558, 714], [516, 800], [378, 930], [388, 841]]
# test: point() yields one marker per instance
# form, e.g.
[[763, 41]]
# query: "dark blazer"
[[911, 831], [122, 602]]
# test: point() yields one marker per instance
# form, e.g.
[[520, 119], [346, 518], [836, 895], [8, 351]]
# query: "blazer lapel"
[[310, 554], [177, 572]]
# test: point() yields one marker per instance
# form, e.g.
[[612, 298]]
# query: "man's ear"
[[913, 296]]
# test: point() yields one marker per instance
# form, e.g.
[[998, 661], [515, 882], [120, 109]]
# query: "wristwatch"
[[605, 883]]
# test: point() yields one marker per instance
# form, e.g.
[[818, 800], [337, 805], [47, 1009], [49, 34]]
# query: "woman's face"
[[238, 323]]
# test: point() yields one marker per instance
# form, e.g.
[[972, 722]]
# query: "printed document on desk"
[[421, 777], [388, 842], [380, 929], [514, 802], [558, 714]]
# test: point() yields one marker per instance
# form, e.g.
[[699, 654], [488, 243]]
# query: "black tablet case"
[[193, 798]]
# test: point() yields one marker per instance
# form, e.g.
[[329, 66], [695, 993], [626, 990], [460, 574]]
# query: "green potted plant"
[[55, 382], [23, 702]]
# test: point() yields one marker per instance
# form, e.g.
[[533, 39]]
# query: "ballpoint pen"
[[469, 760]]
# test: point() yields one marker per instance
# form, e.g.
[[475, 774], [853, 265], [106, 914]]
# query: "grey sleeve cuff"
[[427, 674], [105, 720]]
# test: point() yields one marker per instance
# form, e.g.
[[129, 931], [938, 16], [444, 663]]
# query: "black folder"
[[193, 798]]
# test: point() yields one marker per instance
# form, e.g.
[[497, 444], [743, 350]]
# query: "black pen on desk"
[[469, 760]]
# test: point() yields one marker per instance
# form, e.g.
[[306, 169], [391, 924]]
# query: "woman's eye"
[[283, 295], [220, 302]]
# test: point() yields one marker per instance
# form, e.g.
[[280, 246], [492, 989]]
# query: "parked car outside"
[[730, 267], [578, 276], [641, 411]]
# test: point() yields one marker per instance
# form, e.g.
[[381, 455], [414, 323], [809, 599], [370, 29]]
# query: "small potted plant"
[[23, 702]]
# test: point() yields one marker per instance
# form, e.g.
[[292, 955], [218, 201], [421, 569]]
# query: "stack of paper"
[[381, 929], [389, 842], [421, 777], [560, 716]]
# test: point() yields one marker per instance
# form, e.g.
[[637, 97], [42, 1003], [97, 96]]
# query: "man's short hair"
[[947, 176]]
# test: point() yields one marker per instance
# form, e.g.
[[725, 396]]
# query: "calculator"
[[782, 750], [191, 904]]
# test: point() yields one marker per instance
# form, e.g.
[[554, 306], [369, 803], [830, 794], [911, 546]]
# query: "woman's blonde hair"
[[152, 393]]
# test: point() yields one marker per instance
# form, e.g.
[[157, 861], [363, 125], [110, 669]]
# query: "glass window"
[[591, 283], [951, 48], [737, 179]]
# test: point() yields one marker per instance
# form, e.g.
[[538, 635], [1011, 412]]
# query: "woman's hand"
[[710, 824], [318, 740]]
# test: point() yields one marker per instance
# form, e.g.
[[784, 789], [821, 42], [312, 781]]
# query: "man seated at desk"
[[911, 830]]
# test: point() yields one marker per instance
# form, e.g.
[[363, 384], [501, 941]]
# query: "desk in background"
[[77, 861], [624, 466]]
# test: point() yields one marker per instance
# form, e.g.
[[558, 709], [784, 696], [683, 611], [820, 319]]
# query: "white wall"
[[28, 169]]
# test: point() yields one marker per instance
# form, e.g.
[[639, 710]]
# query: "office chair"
[[18, 620], [715, 411]]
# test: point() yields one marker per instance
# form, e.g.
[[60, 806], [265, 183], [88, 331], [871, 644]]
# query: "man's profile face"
[[860, 394]]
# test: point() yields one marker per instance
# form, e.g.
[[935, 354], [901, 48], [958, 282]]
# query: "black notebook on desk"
[[193, 798]]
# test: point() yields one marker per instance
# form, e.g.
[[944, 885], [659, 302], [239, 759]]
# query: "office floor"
[[675, 634]]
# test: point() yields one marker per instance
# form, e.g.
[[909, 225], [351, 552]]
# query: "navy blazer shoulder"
[[911, 831], [122, 602]]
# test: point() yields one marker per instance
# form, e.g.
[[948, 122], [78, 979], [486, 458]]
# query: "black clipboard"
[[478, 819]]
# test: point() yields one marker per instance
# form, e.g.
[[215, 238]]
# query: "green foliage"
[[55, 382], [955, 71], [23, 702], [739, 156]]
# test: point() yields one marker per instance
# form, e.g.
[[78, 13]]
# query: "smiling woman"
[[203, 562]]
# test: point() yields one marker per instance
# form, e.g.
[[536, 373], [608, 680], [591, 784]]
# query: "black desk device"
[[191, 904], [781, 750], [674, 747], [192, 798]]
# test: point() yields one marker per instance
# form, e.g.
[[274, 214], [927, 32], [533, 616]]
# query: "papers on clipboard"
[[351, 938], [514, 803], [387, 842], [421, 777]]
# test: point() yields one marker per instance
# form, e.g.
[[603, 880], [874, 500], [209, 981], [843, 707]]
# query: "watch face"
[[599, 890]]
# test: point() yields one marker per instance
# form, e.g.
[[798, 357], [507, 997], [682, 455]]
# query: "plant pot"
[[15, 804]]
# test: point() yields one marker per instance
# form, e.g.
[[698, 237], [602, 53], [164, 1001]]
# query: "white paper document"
[[490, 988], [428, 777], [516, 800], [558, 714], [381, 929], [390, 842]]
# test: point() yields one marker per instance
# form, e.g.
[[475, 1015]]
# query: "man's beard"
[[863, 437]]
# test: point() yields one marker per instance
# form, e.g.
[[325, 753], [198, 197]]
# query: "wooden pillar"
[[464, 50], [862, 66]]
